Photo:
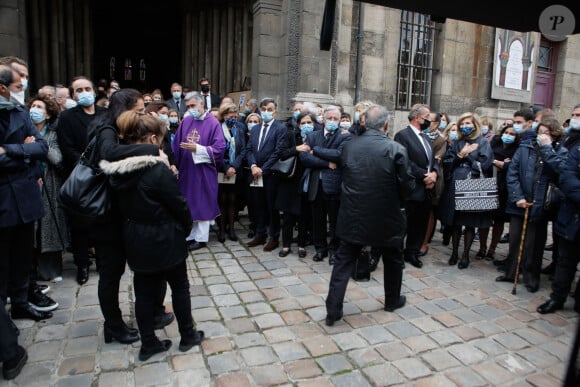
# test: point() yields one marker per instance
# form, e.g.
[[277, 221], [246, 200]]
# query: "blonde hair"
[[476, 125], [135, 127], [226, 109]]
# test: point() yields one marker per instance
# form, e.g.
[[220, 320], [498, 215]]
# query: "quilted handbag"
[[476, 195]]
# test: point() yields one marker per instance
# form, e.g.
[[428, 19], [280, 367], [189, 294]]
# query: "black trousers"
[[325, 206], [303, 221], [16, 257], [531, 264], [417, 219], [346, 257], [566, 270], [111, 261], [8, 338], [267, 216], [147, 288], [80, 243]]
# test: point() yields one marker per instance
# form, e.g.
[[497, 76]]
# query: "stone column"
[[13, 37]]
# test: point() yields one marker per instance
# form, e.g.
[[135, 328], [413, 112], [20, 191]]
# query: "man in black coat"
[[324, 177], [73, 137], [263, 150], [176, 101], [376, 182], [211, 100], [425, 170]]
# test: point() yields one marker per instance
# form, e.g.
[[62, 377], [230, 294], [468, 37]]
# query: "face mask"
[[86, 98], [356, 117], [267, 116], [230, 122], [484, 129], [70, 103], [535, 125], [251, 126], [508, 138], [331, 126], [19, 96], [37, 115], [205, 88], [425, 124], [296, 114], [247, 110], [467, 130], [453, 136], [145, 103], [567, 130], [442, 124], [24, 82], [194, 113], [6, 104], [306, 129], [574, 124], [176, 95], [345, 125], [164, 117], [319, 119], [173, 120], [156, 99], [518, 128], [426, 131]]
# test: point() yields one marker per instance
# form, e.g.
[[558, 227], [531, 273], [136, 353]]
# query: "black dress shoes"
[[11, 368], [424, 253], [82, 275], [332, 259], [163, 320], [549, 306], [121, 333], [195, 245], [319, 256], [232, 236], [190, 340], [28, 312], [453, 259], [301, 252], [504, 278], [550, 269], [284, 252], [397, 305], [414, 260], [147, 351], [330, 319]]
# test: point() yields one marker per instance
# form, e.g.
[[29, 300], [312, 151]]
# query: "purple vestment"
[[198, 182]]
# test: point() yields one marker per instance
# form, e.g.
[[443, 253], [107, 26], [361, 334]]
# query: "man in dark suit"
[[324, 180], [211, 100], [176, 101], [263, 150], [425, 170]]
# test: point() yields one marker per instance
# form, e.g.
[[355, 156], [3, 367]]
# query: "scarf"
[[230, 142]]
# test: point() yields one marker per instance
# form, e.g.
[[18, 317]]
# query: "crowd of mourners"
[[183, 167]]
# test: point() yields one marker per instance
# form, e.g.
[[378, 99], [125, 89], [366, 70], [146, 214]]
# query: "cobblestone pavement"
[[264, 321]]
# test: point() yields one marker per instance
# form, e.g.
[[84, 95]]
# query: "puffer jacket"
[[529, 173], [156, 219], [567, 224]]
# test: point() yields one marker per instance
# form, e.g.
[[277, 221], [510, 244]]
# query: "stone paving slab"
[[264, 322]]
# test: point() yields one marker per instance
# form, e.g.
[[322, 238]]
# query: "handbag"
[[476, 195], [552, 200], [285, 168], [85, 195]]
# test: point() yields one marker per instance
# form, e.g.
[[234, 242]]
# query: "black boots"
[[121, 333], [188, 341], [149, 350]]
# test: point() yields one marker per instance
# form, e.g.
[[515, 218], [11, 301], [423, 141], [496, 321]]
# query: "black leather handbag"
[[85, 195], [285, 168]]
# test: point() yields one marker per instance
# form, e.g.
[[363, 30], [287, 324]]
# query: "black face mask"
[[205, 88], [425, 124]]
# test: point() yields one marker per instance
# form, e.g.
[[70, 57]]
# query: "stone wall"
[[13, 37]]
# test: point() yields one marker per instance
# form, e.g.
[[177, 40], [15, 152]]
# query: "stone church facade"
[[381, 54]]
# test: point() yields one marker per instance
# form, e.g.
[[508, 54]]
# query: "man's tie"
[[427, 147], [206, 102], [262, 135], [177, 104]]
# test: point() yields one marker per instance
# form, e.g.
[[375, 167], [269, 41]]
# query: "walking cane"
[[522, 240]]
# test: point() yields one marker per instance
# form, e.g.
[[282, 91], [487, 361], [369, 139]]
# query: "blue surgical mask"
[[164, 117], [6, 104], [426, 131], [247, 110], [86, 98], [518, 128], [357, 117], [567, 130], [176, 95], [306, 128], [331, 126], [251, 126], [442, 124], [345, 125], [508, 138], [535, 125], [267, 116], [173, 120], [296, 114], [484, 129], [37, 115], [467, 130], [453, 136], [194, 113], [319, 119]]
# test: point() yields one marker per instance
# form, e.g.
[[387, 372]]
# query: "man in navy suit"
[[176, 101], [425, 170], [324, 180], [263, 150]]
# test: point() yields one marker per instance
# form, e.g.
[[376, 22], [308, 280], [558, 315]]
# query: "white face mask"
[[19, 96], [575, 124], [24, 82]]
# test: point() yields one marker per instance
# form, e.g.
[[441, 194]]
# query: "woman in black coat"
[[156, 223], [291, 199]]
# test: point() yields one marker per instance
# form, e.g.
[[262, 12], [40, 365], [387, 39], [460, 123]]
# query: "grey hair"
[[417, 110], [253, 102], [194, 95], [376, 117], [310, 108], [330, 108]]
